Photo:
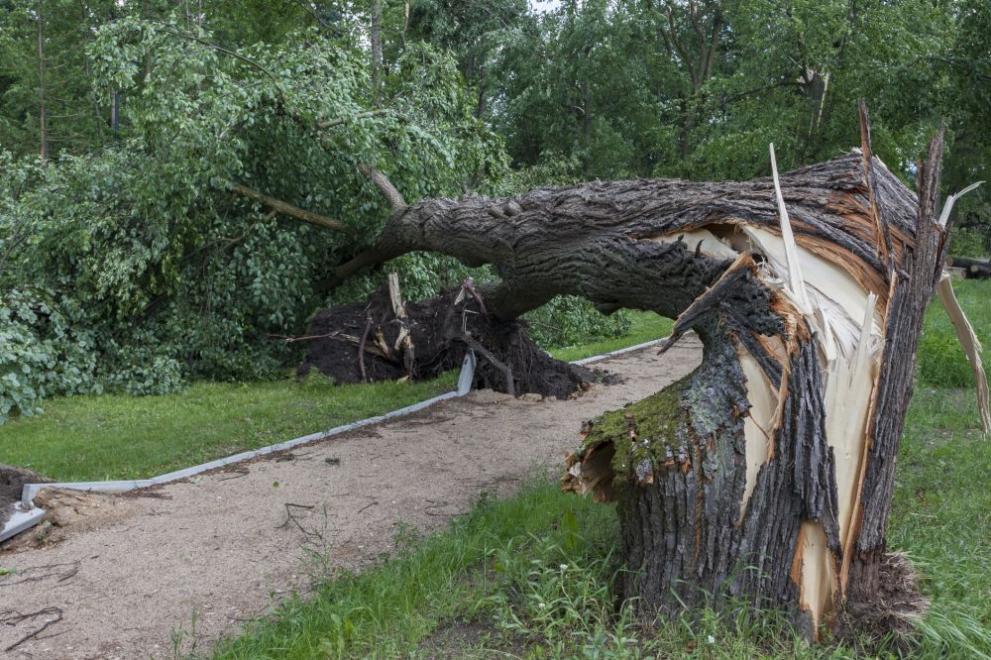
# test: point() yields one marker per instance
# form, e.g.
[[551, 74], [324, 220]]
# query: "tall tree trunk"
[[42, 108], [376, 43], [767, 474]]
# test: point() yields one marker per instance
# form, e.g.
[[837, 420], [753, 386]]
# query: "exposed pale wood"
[[944, 217], [404, 340], [971, 346], [396, 296], [796, 283]]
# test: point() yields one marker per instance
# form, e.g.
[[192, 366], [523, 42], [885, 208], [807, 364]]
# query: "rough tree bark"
[[767, 474]]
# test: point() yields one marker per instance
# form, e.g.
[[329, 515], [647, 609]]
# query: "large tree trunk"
[[767, 474]]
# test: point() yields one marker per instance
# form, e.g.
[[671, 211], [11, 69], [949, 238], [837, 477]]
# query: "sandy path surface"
[[132, 573]]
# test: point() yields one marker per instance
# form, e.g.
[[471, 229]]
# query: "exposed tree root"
[[369, 341], [891, 615]]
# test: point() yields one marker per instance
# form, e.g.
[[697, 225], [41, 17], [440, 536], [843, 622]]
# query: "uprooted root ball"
[[366, 342]]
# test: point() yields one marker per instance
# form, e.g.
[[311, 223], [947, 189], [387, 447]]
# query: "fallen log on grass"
[[973, 269]]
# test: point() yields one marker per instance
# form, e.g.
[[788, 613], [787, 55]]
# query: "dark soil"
[[442, 329], [458, 639], [12, 480]]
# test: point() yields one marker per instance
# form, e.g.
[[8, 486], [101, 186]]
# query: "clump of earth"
[[12, 480]]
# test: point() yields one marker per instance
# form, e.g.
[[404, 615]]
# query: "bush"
[[969, 242], [42, 352], [172, 275], [570, 320]]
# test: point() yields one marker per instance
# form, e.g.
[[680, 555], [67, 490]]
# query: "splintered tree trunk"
[[767, 474]]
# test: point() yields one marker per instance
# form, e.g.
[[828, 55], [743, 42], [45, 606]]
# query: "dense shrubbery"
[[970, 242], [570, 320], [170, 275], [46, 351]]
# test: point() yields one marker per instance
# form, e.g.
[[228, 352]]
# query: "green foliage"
[[43, 49], [570, 320], [966, 104], [699, 89], [44, 352], [969, 242], [177, 277]]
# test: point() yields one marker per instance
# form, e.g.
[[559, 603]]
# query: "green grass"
[[127, 437], [118, 436], [941, 515], [644, 326], [531, 576]]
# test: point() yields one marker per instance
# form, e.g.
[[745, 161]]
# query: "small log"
[[974, 269]]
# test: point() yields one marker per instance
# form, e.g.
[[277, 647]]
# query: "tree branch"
[[710, 53], [381, 181], [679, 47], [367, 259], [288, 209]]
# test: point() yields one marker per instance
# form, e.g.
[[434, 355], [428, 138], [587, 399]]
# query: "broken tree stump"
[[767, 474]]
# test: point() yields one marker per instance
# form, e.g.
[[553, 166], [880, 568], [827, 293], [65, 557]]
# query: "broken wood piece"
[[361, 350], [971, 347], [404, 340], [796, 283], [496, 362]]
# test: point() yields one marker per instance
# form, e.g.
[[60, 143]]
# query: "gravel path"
[[128, 576]]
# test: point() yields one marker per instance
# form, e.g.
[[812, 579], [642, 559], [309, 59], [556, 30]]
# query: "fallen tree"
[[767, 474]]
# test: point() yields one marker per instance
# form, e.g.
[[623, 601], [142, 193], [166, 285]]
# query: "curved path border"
[[26, 515]]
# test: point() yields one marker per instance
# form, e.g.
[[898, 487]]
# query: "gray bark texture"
[[693, 530]]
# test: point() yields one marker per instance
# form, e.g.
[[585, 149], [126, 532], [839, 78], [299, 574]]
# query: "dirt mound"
[[12, 480], [369, 341]]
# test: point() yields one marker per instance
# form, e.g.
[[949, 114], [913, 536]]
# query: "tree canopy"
[[131, 258]]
